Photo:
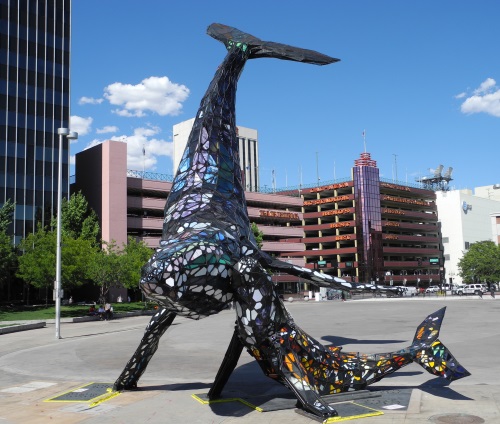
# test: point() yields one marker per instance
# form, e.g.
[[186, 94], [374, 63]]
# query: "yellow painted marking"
[[92, 402], [243, 401], [372, 413], [103, 398]]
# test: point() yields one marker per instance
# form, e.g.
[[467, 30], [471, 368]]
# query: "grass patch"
[[20, 313]]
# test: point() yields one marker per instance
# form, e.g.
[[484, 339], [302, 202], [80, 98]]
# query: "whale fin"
[[428, 351], [258, 48]]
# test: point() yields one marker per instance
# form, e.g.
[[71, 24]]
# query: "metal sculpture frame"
[[208, 258]]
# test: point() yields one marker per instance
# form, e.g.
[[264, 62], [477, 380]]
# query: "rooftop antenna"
[[364, 139], [143, 159], [317, 168], [300, 178], [395, 166]]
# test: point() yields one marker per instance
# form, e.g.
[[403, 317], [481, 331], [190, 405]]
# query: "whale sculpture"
[[208, 258]]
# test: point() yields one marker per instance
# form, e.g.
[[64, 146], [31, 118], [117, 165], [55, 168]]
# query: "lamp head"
[[72, 135]]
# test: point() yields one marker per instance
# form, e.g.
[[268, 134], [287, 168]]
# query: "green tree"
[[259, 235], [8, 257], [134, 256], [481, 263], [78, 219], [37, 264], [104, 269], [6, 212], [118, 267]]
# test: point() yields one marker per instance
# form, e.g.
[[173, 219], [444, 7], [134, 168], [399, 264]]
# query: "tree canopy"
[[259, 235], [78, 219], [6, 212], [481, 263], [116, 266], [8, 257], [37, 264]]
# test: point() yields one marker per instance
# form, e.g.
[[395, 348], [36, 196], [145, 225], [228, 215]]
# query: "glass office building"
[[34, 103]]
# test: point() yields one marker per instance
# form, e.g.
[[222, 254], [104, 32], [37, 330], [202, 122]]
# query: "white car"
[[432, 289], [472, 289]]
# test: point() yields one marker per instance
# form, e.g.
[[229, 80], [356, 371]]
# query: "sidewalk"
[[34, 366]]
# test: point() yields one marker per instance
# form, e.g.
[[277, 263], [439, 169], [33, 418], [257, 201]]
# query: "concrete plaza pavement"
[[34, 366]]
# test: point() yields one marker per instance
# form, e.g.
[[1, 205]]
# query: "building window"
[[467, 245]]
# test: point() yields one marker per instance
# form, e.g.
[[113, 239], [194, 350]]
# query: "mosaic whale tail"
[[258, 48], [428, 351], [208, 256]]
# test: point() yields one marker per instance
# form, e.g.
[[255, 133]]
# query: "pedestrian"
[[492, 290], [343, 296], [70, 300], [108, 311]]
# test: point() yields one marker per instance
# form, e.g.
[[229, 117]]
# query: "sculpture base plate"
[[349, 405], [92, 393]]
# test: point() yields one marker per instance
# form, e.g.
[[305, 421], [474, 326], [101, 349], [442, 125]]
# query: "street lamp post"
[[63, 132]]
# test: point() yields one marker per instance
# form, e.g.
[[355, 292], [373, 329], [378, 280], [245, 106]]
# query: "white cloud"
[[154, 94], [81, 125], [461, 95], [72, 160], [485, 99], [89, 101], [485, 86], [107, 129], [142, 138]]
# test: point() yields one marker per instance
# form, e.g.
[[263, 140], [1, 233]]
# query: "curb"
[[22, 327], [115, 316]]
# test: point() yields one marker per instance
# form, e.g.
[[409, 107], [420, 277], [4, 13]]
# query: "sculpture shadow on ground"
[[341, 341]]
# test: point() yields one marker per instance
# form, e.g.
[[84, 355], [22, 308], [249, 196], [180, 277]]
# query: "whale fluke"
[[259, 48]]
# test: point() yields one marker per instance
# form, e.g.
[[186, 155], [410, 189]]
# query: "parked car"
[[408, 291], [472, 289], [432, 289]]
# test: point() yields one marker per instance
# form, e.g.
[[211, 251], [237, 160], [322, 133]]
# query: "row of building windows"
[[31, 137], [34, 74], [43, 19], [34, 122], [28, 165], [15, 113], [35, 49]]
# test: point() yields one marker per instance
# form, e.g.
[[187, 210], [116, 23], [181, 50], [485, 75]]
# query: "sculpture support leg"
[[143, 354], [227, 367]]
